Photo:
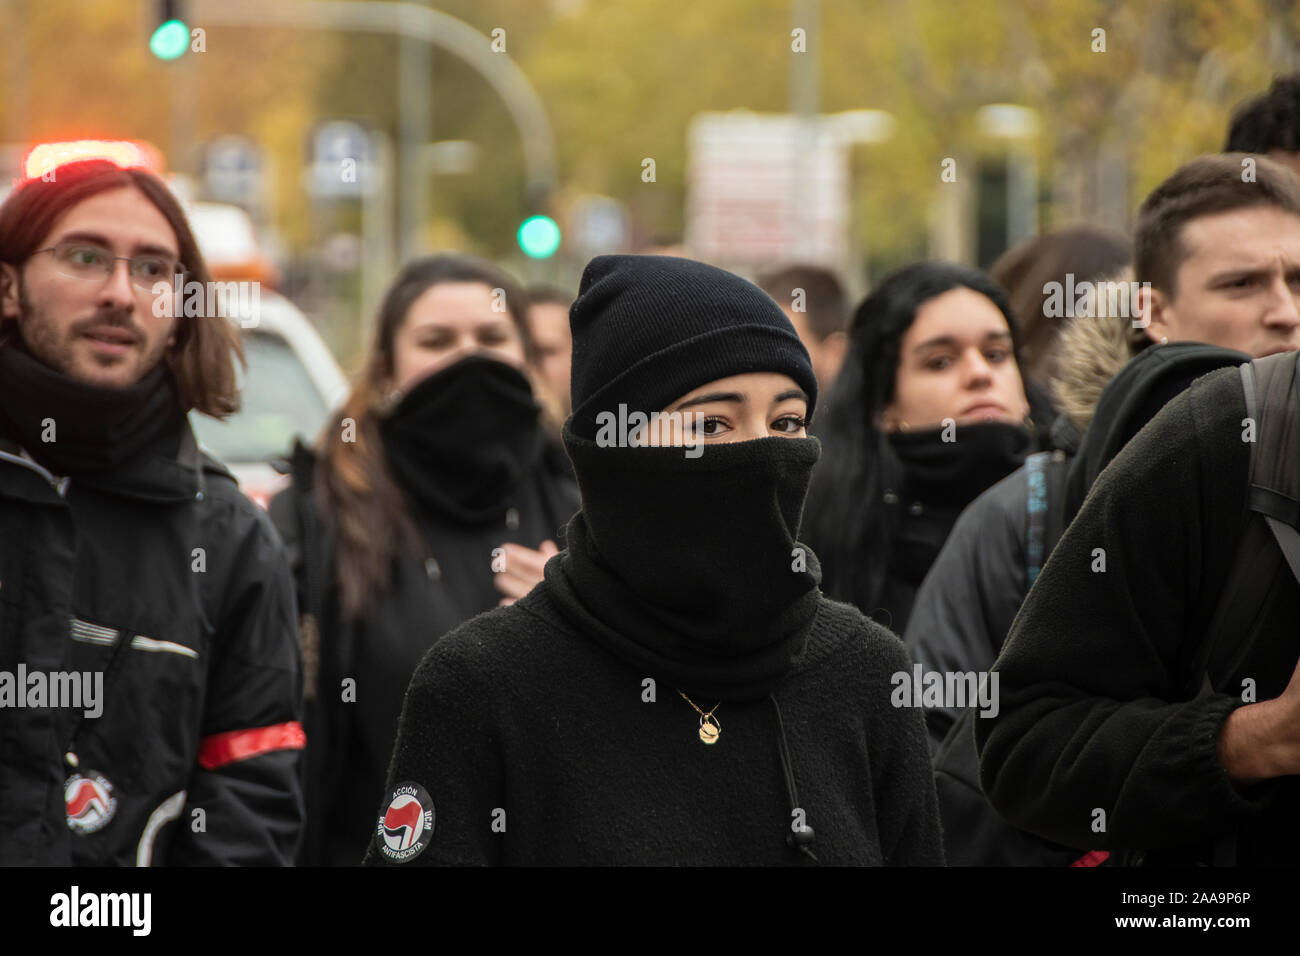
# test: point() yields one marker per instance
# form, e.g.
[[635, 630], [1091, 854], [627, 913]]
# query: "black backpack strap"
[[1254, 567], [1272, 388], [1272, 406], [1275, 473]]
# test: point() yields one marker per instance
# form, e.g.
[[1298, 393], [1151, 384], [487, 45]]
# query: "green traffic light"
[[170, 40], [539, 237]]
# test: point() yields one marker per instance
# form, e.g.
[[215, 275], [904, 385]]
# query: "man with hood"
[[1115, 375], [1114, 733]]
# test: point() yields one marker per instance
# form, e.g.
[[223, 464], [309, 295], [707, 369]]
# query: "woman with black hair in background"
[[928, 411], [431, 495]]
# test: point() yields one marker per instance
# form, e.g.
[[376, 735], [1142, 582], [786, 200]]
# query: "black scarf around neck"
[[954, 473], [461, 441], [95, 431], [689, 567]]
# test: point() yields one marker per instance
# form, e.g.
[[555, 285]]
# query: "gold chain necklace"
[[710, 726]]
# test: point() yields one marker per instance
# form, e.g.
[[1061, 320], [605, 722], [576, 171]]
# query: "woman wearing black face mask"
[[928, 411], [433, 495], [677, 691]]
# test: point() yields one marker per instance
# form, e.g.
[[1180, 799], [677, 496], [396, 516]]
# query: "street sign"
[[765, 188], [233, 171], [342, 162]]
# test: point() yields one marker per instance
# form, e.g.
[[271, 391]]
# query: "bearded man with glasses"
[[150, 678]]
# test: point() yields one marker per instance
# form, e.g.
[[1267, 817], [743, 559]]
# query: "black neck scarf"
[[96, 431], [953, 473], [462, 439], [689, 568]]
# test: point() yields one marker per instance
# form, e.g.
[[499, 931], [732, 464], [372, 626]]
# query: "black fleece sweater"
[[1094, 712], [515, 712], [349, 742]]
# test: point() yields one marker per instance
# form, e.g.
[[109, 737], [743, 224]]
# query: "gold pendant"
[[709, 731]]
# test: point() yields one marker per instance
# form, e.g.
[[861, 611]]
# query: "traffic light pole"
[[184, 116], [413, 135]]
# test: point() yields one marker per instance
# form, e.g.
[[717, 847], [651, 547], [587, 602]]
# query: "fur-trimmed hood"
[[1091, 350]]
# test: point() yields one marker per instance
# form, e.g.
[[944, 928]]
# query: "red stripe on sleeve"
[[1092, 858], [233, 745]]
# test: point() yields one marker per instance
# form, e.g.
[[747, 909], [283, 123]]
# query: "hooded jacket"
[[564, 729], [351, 733], [1094, 675], [162, 580], [979, 582]]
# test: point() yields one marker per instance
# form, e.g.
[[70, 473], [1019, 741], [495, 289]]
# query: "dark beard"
[[41, 339]]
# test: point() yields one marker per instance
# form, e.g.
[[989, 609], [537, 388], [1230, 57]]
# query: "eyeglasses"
[[85, 260]]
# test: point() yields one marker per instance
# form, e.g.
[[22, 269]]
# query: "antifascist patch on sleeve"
[[406, 825]]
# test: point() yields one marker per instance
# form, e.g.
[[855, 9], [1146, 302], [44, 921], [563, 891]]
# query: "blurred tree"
[[621, 80]]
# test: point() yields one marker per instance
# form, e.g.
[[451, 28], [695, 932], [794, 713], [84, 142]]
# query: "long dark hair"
[[354, 487], [203, 357], [847, 524]]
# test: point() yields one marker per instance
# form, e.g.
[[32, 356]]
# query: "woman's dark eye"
[[492, 338], [938, 363], [711, 426], [996, 355], [790, 423]]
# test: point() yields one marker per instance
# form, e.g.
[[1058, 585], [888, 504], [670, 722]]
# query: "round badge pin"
[[406, 825], [88, 797]]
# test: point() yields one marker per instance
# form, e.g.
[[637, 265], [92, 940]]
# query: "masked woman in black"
[[928, 411], [678, 690], [431, 496]]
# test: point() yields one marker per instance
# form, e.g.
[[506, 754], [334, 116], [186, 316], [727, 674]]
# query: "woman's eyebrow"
[[789, 394], [949, 341], [936, 342], [715, 397]]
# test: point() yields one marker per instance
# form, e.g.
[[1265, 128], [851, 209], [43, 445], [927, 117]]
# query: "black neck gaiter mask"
[[462, 439], [689, 568], [95, 430], [953, 473]]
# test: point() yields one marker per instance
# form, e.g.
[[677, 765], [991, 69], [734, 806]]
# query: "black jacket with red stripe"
[[167, 583]]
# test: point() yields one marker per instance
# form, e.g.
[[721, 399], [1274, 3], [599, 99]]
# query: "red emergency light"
[[44, 157]]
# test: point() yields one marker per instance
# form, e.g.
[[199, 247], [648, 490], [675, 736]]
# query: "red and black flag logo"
[[89, 800], [406, 824]]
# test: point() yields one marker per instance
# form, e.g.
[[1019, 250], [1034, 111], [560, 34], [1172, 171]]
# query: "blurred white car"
[[292, 381], [291, 385]]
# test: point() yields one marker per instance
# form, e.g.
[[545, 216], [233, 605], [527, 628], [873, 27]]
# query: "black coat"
[[965, 608], [973, 589], [538, 746], [351, 741], [182, 583], [1095, 712]]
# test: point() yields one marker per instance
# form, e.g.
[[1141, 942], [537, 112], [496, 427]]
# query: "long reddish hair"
[[202, 360]]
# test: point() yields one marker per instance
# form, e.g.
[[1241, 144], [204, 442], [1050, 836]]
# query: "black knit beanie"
[[648, 329]]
